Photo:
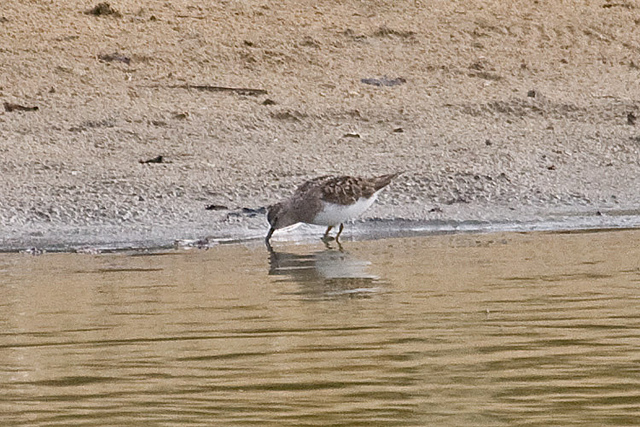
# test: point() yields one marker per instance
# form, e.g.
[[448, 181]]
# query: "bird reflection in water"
[[327, 274]]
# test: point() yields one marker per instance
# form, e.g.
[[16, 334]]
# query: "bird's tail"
[[383, 180]]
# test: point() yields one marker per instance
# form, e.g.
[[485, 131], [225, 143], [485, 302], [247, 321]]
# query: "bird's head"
[[280, 215], [273, 214]]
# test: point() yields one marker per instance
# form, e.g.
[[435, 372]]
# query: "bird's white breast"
[[334, 214]]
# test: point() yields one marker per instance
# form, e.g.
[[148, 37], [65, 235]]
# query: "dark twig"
[[9, 107], [158, 159], [209, 88]]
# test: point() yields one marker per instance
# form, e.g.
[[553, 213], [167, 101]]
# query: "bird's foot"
[[330, 247]]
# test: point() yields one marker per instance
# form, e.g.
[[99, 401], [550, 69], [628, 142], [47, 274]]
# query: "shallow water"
[[493, 329]]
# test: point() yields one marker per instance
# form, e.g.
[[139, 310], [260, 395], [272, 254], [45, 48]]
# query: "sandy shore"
[[497, 111]]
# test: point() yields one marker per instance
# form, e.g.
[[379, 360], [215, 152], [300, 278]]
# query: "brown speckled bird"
[[327, 200]]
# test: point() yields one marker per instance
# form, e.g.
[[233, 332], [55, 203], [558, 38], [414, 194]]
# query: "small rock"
[[254, 212], [291, 116], [385, 31], [268, 102], [157, 159], [216, 208], [351, 135], [480, 65], [33, 251], [384, 81], [531, 94], [631, 119], [103, 9], [115, 57], [398, 130]]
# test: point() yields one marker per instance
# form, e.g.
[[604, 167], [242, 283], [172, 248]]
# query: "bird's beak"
[[266, 240]]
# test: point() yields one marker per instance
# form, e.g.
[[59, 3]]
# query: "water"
[[496, 329]]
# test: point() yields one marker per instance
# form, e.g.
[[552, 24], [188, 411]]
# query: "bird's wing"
[[345, 190]]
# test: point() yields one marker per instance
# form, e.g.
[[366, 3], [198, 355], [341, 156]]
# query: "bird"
[[327, 200]]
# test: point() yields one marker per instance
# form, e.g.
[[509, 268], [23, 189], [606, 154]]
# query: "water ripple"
[[539, 330]]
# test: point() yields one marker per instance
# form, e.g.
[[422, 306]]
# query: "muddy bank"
[[497, 112]]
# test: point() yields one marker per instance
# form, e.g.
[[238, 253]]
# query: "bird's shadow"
[[328, 274]]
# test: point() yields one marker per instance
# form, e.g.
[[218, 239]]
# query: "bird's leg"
[[339, 231], [269, 248], [326, 237]]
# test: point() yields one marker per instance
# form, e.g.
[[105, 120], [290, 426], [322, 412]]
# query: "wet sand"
[[507, 112]]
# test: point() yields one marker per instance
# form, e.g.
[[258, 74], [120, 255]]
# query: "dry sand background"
[[510, 110]]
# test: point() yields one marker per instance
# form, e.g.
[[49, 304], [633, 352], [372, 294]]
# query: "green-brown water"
[[496, 329]]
